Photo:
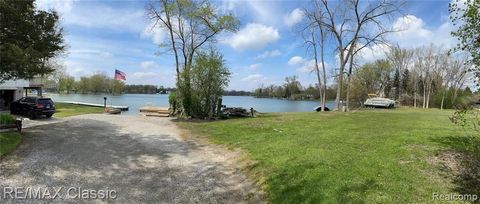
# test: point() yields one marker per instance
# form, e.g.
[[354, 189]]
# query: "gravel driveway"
[[134, 158]]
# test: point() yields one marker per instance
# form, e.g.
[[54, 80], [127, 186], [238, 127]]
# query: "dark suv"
[[33, 107]]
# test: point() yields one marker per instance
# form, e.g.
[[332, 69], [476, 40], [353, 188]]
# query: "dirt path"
[[141, 159]]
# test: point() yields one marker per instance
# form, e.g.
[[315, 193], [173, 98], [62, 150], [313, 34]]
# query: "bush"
[[203, 86], [6, 119]]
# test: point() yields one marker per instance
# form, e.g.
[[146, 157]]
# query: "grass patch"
[[372, 156], [9, 141], [6, 119], [64, 110]]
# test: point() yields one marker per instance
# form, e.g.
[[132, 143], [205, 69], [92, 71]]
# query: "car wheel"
[[49, 115]]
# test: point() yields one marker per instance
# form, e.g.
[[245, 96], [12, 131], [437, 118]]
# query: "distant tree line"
[[237, 93], [61, 82], [147, 89], [292, 89]]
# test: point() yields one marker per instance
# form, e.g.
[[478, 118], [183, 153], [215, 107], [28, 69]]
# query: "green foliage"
[[6, 119], [66, 83], [209, 77], [171, 98], [361, 157], [371, 78], [9, 141], [82, 86], [466, 16], [28, 39], [116, 86]]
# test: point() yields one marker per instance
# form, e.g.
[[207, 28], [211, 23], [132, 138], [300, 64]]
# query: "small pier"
[[155, 111], [122, 108]]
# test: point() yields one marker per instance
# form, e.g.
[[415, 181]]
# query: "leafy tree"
[[98, 83], [116, 86], [29, 38], [83, 85], [209, 78], [66, 83], [190, 24], [466, 15]]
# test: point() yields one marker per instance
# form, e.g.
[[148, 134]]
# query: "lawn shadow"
[[463, 153]]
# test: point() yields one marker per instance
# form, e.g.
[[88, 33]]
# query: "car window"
[[30, 100], [45, 101]]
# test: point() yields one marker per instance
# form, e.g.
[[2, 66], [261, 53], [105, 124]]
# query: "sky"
[[102, 36]]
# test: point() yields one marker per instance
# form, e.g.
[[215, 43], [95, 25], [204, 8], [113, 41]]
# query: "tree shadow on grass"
[[464, 152]]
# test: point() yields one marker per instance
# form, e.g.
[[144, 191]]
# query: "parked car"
[[33, 107]]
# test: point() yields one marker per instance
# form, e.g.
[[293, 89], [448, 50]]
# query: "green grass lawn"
[[9, 141], [371, 156], [65, 110]]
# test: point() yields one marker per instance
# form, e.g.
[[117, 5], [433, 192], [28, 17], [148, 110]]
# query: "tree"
[[66, 83], [190, 24], [116, 86], [29, 39], [313, 28], [353, 28], [209, 77], [466, 16], [400, 59], [83, 85], [98, 83]]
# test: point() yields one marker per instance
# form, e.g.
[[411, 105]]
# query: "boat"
[[114, 111], [378, 102], [319, 108]]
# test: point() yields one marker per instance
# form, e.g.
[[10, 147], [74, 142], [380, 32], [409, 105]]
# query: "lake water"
[[135, 101]]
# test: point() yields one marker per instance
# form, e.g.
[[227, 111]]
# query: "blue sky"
[[105, 35]]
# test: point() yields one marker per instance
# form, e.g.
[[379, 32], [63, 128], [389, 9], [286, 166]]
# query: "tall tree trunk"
[[339, 83], [349, 76]]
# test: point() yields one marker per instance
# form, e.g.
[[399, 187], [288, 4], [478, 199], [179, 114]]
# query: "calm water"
[[135, 101]]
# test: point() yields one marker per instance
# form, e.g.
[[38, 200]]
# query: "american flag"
[[119, 75]]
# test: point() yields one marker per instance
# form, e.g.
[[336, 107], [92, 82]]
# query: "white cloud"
[[266, 54], [252, 36], [307, 67], [296, 60], [413, 33], [254, 66], [91, 53], [140, 75], [96, 16], [148, 64], [254, 78], [155, 32], [372, 53], [293, 17], [62, 6]]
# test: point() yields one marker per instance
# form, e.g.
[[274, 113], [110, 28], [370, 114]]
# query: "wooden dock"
[[123, 108], [155, 111]]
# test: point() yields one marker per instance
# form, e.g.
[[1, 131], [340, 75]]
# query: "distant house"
[[12, 90]]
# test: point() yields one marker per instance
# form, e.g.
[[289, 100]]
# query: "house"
[[12, 90]]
